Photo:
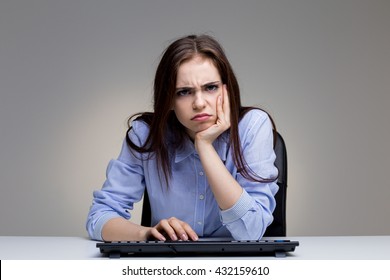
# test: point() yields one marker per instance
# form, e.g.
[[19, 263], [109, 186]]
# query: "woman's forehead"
[[198, 70]]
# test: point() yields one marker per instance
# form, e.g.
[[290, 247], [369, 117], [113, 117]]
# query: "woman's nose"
[[199, 102]]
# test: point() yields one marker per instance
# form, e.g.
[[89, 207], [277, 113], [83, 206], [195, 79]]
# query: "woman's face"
[[198, 86]]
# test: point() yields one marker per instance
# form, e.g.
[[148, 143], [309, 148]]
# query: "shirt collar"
[[188, 148]]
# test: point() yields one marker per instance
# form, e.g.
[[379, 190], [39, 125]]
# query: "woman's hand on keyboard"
[[174, 228]]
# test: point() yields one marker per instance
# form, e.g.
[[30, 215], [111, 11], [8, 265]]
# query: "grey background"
[[71, 72]]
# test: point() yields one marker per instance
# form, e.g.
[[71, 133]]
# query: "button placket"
[[201, 203]]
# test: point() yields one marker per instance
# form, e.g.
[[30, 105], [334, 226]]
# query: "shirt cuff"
[[242, 206], [97, 232]]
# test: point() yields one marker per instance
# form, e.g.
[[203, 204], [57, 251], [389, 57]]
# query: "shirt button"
[[201, 173], [199, 223], [201, 197]]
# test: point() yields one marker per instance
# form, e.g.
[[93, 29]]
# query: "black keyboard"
[[278, 248]]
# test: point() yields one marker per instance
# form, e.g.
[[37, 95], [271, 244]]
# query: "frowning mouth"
[[201, 117]]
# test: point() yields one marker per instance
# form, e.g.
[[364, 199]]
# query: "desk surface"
[[310, 248]]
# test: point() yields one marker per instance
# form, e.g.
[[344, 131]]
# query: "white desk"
[[310, 248]]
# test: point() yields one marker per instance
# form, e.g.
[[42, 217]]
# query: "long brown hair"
[[163, 119]]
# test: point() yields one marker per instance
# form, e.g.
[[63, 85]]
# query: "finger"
[[183, 230], [157, 235], [165, 226], [190, 232], [226, 102], [179, 227], [220, 113]]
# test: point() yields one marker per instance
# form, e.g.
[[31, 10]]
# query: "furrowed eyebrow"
[[211, 84], [184, 88], [202, 86]]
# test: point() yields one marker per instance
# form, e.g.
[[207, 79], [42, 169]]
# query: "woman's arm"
[[118, 229], [246, 206], [109, 215], [225, 188]]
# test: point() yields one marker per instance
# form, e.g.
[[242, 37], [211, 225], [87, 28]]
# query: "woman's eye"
[[183, 92], [212, 88]]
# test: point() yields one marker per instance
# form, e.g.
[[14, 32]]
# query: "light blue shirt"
[[188, 196]]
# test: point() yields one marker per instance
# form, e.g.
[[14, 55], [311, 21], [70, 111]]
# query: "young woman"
[[206, 161]]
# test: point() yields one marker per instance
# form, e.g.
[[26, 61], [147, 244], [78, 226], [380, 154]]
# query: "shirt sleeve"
[[124, 186], [249, 217]]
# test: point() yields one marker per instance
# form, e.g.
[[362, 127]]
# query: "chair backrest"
[[278, 226]]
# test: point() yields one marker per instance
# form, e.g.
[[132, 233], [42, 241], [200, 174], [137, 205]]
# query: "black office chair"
[[278, 226]]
